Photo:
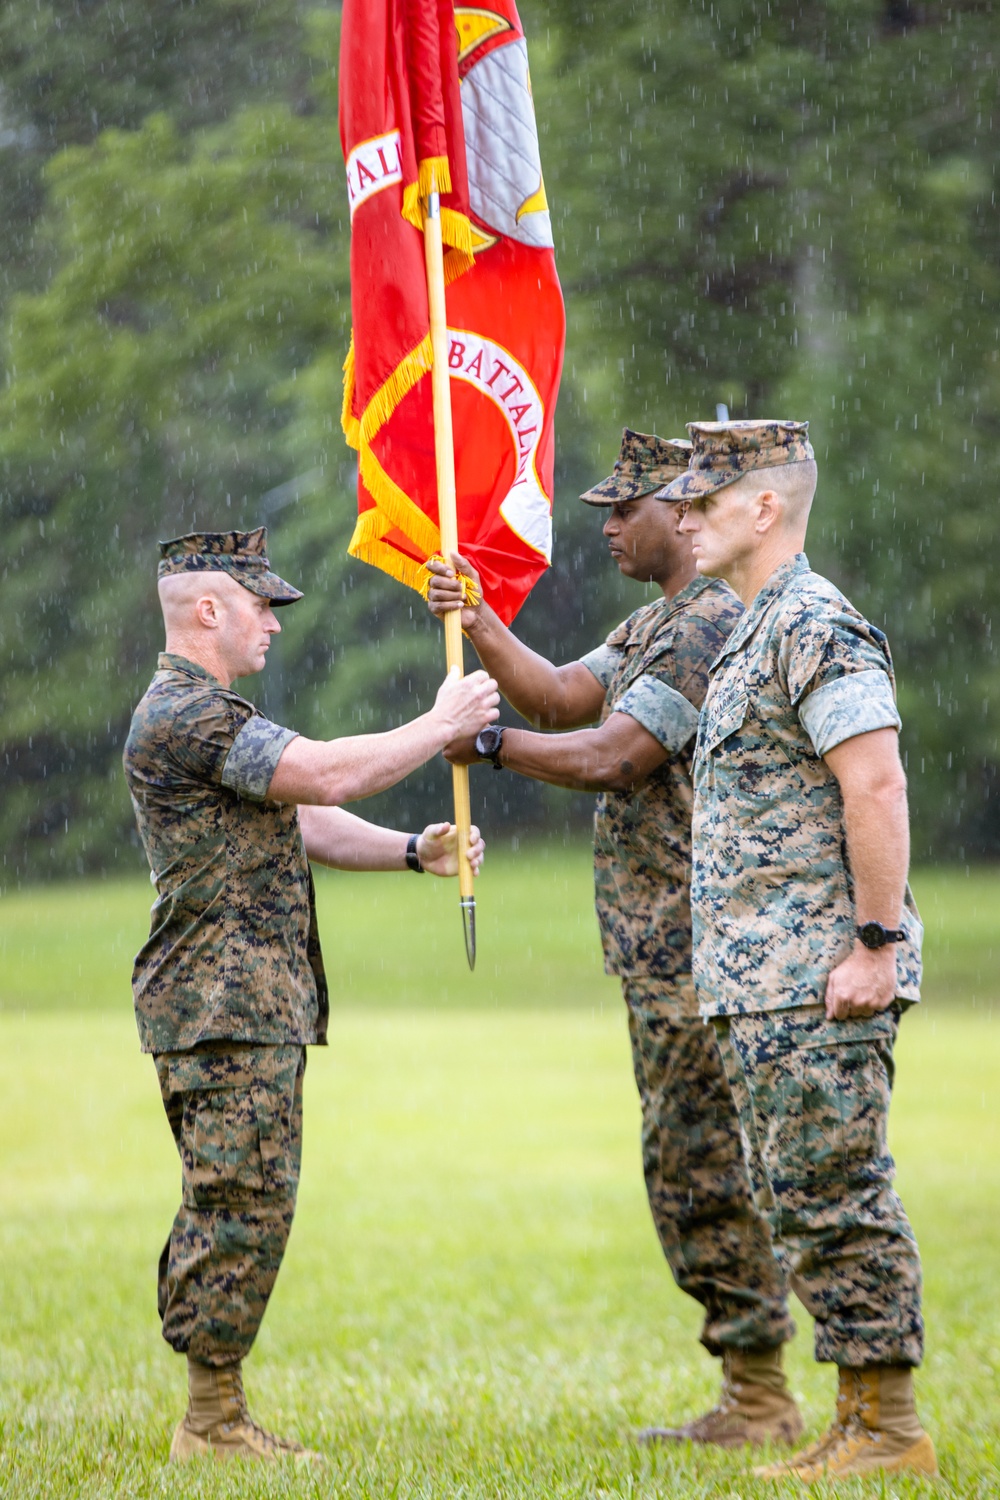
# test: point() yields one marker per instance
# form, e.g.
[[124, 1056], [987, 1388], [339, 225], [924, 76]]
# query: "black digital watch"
[[488, 744], [874, 935]]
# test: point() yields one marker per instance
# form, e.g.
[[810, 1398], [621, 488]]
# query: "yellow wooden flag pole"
[[444, 453]]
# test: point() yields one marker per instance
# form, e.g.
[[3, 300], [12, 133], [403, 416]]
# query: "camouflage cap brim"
[[691, 483], [621, 487], [723, 452], [646, 462], [240, 554], [269, 586]]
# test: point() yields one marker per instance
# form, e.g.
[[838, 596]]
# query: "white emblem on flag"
[[372, 166], [496, 374], [501, 147]]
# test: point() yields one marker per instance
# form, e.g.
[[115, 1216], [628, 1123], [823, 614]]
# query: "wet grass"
[[395, 941], [473, 1302]]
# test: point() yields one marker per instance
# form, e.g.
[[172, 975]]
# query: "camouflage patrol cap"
[[241, 554], [723, 452], [645, 463]]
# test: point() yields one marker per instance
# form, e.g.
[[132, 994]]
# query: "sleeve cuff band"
[[848, 706]]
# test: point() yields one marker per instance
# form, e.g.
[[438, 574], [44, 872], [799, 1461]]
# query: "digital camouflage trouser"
[[236, 1115], [813, 1097], [716, 1243]]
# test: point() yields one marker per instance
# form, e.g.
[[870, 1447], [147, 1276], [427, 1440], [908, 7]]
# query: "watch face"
[[488, 739], [873, 935]]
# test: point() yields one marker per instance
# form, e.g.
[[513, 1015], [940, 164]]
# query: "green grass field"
[[473, 1302]]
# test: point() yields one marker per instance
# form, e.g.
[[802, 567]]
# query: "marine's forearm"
[[878, 851], [876, 822], [576, 760], [551, 697], [616, 757], [342, 841], [328, 772]]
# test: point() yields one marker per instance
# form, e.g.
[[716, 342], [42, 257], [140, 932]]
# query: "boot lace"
[[728, 1405], [245, 1423]]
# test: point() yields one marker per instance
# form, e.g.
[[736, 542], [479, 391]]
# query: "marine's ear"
[[769, 510]]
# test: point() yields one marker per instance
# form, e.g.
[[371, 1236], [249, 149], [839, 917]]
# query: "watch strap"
[[412, 857], [888, 934]]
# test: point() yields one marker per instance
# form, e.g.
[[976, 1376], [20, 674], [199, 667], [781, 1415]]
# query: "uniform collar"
[[167, 662], [775, 586], [687, 593]]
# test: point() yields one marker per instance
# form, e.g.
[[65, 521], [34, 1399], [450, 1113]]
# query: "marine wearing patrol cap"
[[722, 452], [241, 554], [645, 463]]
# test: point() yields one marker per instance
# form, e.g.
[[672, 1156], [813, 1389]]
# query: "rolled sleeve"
[[603, 663], [254, 757], [854, 704], [665, 712]]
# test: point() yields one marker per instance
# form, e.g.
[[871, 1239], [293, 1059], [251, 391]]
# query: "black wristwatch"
[[874, 935], [488, 744], [412, 857]]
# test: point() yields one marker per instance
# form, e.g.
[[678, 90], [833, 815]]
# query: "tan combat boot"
[[877, 1428], [755, 1406], [218, 1425]]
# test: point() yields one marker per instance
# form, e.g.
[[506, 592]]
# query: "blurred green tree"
[[72, 68], [791, 209]]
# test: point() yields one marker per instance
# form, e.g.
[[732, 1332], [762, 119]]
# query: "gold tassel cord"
[[471, 593]]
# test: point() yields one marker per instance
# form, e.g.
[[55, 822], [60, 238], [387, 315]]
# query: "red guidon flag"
[[435, 95]]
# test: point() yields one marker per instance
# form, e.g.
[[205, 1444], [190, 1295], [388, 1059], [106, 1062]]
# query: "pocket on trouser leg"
[[279, 1157], [221, 1157], [827, 1122], [237, 1111]]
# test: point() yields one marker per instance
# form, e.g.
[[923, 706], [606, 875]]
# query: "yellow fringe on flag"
[[433, 176], [456, 232], [372, 550], [396, 506], [392, 390], [388, 396], [348, 421]]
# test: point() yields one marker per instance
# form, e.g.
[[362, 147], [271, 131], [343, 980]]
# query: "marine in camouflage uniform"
[[775, 914], [647, 681], [229, 988]]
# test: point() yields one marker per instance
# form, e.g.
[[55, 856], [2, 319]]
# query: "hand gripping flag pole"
[[444, 454]]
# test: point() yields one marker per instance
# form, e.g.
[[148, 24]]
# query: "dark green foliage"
[[72, 68], [786, 208], [792, 209]]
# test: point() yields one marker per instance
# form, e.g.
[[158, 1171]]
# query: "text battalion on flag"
[[495, 373]]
